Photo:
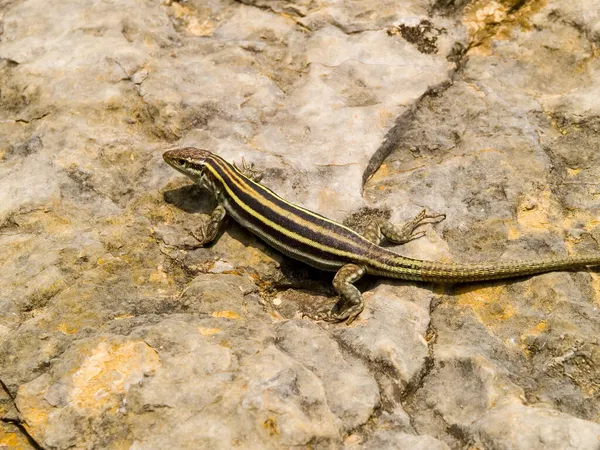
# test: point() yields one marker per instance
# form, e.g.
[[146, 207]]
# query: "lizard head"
[[189, 161]]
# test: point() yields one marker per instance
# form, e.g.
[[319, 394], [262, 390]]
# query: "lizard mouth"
[[189, 161]]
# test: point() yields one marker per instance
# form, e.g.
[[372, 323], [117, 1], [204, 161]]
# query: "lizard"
[[330, 246]]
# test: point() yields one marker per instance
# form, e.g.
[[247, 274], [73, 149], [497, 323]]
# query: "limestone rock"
[[118, 331]]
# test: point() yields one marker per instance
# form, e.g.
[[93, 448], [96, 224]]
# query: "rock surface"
[[116, 332]]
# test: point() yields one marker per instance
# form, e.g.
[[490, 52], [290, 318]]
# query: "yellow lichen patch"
[[124, 316], [241, 255], [117, 220], [576, 217], [535, 216], [226, 315], [380, 174], [537, 329], [225, 343], [494, 19], [541, 326], [199, 27], [108, 372], [47, 220], [162, 214], [572, 172], [353, 440], [513, 232], [195, 21], [484, 13], [32, 406], [159, 276], [271, 425], [121, 444], [257, 257], [65, 328], [11, 438], [208, 331], [487, 303]]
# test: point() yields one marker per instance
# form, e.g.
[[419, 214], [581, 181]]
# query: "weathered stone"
[[520, 427], [392, 332], [387, 439], [352, 392], [117, 331]]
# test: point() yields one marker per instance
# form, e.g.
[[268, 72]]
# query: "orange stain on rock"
[[226, 315], [487, 303], [208, 331], [13, 441], [108, 372], [65, 328]]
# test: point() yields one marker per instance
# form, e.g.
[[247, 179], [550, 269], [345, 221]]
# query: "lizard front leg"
[[250, 171], [208, 230], [399, 235]]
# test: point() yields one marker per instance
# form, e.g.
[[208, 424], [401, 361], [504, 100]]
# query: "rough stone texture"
[[116, 332], [519, 427]]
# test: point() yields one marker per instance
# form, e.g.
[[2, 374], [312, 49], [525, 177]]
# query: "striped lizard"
[[325, 244]]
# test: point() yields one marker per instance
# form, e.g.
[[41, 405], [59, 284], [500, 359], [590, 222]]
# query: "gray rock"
[[352, 393], [387, 439], [392, 332], [521, 427], [116, 331]]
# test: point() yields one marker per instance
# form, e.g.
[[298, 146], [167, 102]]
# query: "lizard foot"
[[250, 171]]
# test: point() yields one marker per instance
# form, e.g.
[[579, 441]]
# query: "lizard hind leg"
[[402, 234], [351, 303]]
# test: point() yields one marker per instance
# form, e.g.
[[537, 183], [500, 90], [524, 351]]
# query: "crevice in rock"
[[128, 76], [419, 378], [395, 135], [516, 6], [590, 36], [361, 428], [147, 111], [366, 428], [16, 420], [33, 119], [347, 32], [10, 62], [30, 439], [262, 7], [293, 13]]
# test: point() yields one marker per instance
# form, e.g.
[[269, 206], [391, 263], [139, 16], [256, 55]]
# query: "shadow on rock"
[[191, 199]]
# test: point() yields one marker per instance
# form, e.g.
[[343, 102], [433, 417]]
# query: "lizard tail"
[[449, 273]]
